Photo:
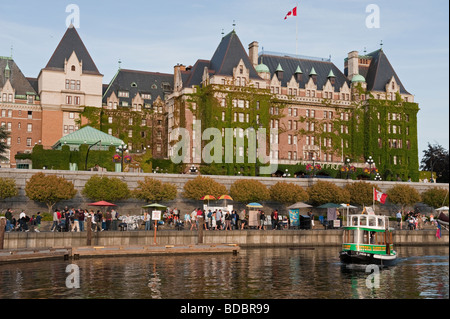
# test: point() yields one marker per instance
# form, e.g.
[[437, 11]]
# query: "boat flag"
[[293, 13], [379, 196]]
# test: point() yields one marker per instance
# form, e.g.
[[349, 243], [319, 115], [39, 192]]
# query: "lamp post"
[[378, 177], [121, 148], [348, 166], [314, 166], [370, 162], [193, 169], [87, 153]]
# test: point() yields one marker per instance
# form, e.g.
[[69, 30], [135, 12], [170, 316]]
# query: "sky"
[[156, 35]]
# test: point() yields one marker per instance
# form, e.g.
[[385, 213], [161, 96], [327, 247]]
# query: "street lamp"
[[193, 170], [314, 166], [87, 153], [370, 162], [121, 148], [286, 174], [348, 166], [378, 177]]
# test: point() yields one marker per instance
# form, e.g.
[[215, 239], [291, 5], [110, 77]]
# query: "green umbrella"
[[154, 205], [330, 205]]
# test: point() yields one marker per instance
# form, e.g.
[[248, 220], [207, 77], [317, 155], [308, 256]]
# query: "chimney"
[[298, 74], [352, 63], [253, 53], [177, 80]]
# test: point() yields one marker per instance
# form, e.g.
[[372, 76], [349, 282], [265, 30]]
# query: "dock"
[[66, 253]]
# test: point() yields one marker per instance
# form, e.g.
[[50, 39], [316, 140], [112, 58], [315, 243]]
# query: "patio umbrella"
[[225, 197], [329, 205], [208, 197], [254, 205], [154, 205], [442, 208], [101, 203], [299, 205]]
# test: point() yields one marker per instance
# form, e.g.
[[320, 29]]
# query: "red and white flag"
[[379, 196], [293, 13]]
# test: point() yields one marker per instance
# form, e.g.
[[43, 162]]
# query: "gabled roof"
[[19, 82], [69, 43], [228, 54], [134, 82], [380, 73], [292, 65], [88, 135]]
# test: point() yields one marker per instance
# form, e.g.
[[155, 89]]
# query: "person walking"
[[75, 224], [227, 221], [194, 219], [56, 220], [81, 219], [9, 216], [38, 220], [274, 217], [262, 220], [147, 221], [108, 217]]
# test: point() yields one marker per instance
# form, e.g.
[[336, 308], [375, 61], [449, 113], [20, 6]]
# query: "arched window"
[[73, 68]]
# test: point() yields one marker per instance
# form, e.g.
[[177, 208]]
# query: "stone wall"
[[79, 178], [251, 238]]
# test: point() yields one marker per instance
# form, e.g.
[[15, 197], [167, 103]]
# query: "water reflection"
[[422, 272]]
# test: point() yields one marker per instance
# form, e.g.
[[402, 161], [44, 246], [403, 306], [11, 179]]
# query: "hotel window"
[[241, 117], [289, 155], [295, 112], [29, 127], [110, 131], [130, 133], [290, 112], [130, 121], [68, 99], [78, 85], [18, 140], [289, 125], [295, 155], [10, 97], [3, 113], [289, 139], [325, 114], [71, 115], [9, 126], [29, 141], [110, 119], [307, 113], [123, 94]]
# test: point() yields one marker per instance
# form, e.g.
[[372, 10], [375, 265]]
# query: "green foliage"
[[153, 190], [249, 190], [435, 197], [49, 189], [403, 195], [202, 185], [4, 134], [324, 192], [104, 188], [361, 193], [8, 188], [288, 193]]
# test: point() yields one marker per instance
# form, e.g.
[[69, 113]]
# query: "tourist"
[[23, 219], [213, 221], [234, 219], [9, 217], [187, 220], [274, 217], [399, 219], [219, 219], [243, 219], [75, 223], [108, 219], [262, 220], [194, 219], [147, 221], [56, 220], [227, 221], [81, 219], [38, 222]]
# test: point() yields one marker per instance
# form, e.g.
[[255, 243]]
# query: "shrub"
[[49, 189], [249, 190], [104, 188], [153, 190], [288, 193], [201, 186], [326, 192], [361, 193], [403, 195], [435, 197]]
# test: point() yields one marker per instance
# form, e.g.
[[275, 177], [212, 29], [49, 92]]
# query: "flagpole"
[[373, 199], [296, 33]]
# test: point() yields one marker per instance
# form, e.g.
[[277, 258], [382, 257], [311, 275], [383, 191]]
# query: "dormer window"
[[73, 68]]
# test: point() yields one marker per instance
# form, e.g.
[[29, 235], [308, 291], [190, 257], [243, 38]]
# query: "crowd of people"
[[64, 220]]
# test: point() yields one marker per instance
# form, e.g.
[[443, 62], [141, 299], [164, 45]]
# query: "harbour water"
[[270, 273]]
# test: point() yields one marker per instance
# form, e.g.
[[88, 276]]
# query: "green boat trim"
[[368, 248]]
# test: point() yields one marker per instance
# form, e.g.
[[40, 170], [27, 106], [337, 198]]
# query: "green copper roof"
[[331, 74], [88, 135], [279, 68], [298, 70], [358, 78], [262, 68], [313, 72]]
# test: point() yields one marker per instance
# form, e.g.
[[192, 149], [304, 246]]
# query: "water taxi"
[[367, 239]]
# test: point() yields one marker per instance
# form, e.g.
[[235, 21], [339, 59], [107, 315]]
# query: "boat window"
[[380, 222], [371, 221], [363, 220], [355, 220]]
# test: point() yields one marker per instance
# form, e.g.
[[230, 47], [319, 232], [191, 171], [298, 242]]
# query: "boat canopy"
[[372, 222]]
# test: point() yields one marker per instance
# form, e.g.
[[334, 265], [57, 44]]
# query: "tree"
[[8, 188], [435, 197], [105, 188], [200, 186], [403, 195], [49, 189], [435, 159], [153, 190], [288, 193], [4, 134], [361, 193], [324, 192], [249, 190]]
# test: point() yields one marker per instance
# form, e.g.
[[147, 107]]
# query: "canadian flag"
[[293, 13], [379, 196]]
